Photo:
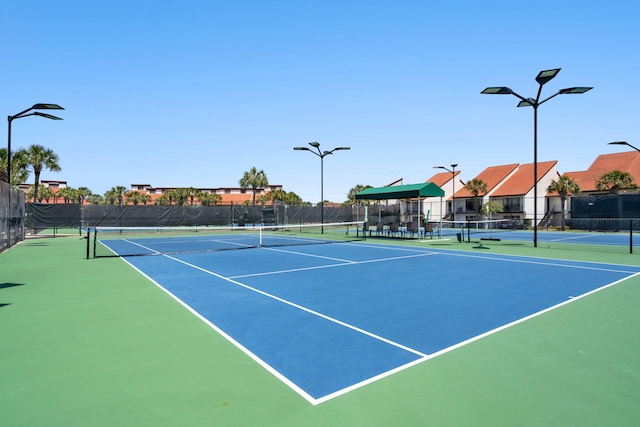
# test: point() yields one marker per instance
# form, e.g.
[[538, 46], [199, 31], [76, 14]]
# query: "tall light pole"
[[542, 78], [453, 195], [322, 155], [28, 112], [624, 143]]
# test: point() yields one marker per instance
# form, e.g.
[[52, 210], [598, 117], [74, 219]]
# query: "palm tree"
[[351, 196], [476, 187], [289, 198], [44, 193], [209, 199], [167, 198], [18, 166], [115, 194], [181, 195], [163, 200], [615, 181], [278, 195], [193, 193], [3, 165], [254, 178], [95, 199], [110, 197], [293, 199], [69, 194], [83, 193], [564, 186], [136, 197], [490, 208], [39, 157]]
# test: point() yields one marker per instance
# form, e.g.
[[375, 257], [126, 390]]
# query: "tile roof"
[[521, 182], [628, 161], [492, 176], [442, 178]]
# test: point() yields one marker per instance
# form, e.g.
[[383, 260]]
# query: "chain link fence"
[[11, 216], [612, 235]]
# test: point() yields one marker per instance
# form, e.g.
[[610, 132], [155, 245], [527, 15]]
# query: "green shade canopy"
[[426, 189]]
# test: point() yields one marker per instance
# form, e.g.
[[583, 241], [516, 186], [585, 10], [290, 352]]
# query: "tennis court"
[[327, 319], [582, 238], [336, 334]]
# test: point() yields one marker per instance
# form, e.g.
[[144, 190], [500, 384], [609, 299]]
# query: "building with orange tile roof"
[[512, 186], [628, 161]]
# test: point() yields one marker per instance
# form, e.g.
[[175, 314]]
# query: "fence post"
[[630, 236]]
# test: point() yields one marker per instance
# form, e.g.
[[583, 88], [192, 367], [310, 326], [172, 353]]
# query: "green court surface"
[[95, 343]]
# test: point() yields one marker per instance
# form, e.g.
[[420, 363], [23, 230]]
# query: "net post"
[[95, 240], [88, 237], [364, 230]]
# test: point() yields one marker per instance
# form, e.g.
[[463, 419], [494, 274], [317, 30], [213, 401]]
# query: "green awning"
[[426, 189]]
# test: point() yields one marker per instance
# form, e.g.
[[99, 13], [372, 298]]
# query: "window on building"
[[512, 204]]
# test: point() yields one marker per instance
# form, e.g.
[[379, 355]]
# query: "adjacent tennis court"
[[622, 240], [327, 319]]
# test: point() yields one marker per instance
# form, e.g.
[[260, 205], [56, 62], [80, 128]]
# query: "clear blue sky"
[[194, 93]]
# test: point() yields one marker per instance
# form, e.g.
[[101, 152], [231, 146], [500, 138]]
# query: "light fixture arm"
[[546, 99], [522, 97], [624, 143]]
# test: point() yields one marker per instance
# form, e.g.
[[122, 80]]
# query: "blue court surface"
[[326, 319], [582, 238]]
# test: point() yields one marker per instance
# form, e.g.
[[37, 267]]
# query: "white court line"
[[344, 263], [551, 264], [241, 245], [306, 254], [560, 239]]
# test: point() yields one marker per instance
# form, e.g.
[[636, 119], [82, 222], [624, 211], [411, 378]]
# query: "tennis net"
[[140, 241], [448, 228]]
